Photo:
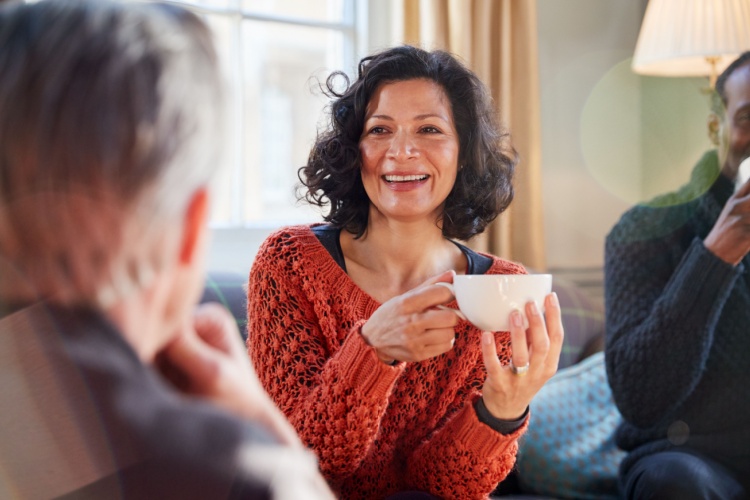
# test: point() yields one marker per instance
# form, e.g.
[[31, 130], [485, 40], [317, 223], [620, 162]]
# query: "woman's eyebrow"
[[431, 115], [418, 117], [380, 117]]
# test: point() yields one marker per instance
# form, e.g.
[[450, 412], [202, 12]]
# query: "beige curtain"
[[497, 39]]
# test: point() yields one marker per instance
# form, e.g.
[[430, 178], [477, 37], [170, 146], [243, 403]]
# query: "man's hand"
[[207, 359], [729, 239]]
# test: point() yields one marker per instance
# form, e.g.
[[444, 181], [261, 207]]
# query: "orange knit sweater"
[[376, 429]]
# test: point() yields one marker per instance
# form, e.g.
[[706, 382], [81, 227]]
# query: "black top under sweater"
[[329, 238], [678, 328]]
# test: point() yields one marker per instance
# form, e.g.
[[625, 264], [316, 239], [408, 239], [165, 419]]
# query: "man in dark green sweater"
[[678, 321]]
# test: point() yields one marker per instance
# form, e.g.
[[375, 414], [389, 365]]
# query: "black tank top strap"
[[329, 238]]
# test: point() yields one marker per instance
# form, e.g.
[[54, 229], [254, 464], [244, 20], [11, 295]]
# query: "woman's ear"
[[194, 223], [714, 128]]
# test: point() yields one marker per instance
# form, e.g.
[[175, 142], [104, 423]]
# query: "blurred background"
[[594, 138]]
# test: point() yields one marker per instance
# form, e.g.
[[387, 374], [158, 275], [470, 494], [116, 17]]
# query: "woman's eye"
[[431, 130], [377, 130]]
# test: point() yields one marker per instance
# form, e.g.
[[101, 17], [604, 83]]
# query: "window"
[[274, 54]]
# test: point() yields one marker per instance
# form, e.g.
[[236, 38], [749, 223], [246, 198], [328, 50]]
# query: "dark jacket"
[[678, 327], [82, 417]]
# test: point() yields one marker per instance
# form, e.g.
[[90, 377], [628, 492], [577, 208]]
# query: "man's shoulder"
[[651, 221], [668, 213], [72, 387]]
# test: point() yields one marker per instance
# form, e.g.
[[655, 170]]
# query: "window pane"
[[272, 71], [226, 202], [320, 10], [283, 104]]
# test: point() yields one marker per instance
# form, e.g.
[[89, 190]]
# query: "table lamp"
[[691, 37]]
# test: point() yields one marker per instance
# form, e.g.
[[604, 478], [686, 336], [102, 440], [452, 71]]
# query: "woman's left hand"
[[507, 393]]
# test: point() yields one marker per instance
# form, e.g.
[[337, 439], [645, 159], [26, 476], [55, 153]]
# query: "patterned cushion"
[[569, 450], [582, 318]]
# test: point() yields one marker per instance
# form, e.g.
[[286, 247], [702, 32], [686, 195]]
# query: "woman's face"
[[409, 149]]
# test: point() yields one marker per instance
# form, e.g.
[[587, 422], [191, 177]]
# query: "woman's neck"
[[392, 258]]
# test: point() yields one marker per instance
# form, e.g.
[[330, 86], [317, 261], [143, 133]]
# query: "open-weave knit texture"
[[376, 429], [677, 328]]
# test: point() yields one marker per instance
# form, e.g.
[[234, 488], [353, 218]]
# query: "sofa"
[[577, 395]]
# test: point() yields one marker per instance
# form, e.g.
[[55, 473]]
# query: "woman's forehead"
[[417, 97]]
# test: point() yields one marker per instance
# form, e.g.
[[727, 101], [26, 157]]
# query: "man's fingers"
[[195, 361], [215, 325]]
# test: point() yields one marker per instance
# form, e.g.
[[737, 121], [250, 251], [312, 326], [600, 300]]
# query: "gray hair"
[[110, 118]]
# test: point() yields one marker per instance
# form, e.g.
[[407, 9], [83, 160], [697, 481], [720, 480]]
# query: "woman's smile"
[[405, 182], [409, 149]]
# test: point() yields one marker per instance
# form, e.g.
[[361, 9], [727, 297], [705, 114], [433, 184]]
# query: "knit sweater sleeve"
[[664, 296], [333, 394], [466, 458]]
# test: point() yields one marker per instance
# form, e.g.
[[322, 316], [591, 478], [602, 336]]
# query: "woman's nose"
[[402, 146]]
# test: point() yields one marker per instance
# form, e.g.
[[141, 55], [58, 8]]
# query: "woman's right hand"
[[410, 327]]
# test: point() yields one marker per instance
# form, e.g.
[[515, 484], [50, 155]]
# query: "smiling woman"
[[395, 394], [483, 189], [409, 150]]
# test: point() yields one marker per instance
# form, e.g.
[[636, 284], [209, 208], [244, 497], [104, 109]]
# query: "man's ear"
[[714, 128], [194, 225]]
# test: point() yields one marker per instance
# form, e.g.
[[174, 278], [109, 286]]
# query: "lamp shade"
[[691, 37]]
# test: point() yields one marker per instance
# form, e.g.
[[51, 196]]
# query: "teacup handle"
[[449, 286]]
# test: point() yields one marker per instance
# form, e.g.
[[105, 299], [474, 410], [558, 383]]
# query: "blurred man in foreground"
[[112, 384]]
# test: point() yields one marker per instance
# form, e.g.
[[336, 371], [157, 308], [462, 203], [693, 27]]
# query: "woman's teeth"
[[405, 178]]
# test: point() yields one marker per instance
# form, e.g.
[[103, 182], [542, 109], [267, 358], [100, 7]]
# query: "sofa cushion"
[[569, 449], [583, 320]]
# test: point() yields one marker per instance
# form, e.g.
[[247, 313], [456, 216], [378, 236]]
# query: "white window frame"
[[377, 24], [369, 25]]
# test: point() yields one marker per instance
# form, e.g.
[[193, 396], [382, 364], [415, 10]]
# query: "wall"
[[674, 114], [610, 138]]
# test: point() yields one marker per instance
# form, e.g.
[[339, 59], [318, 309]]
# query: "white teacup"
[[486, 300]]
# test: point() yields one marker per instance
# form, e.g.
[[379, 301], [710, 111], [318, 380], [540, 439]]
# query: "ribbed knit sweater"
[[377, 429], [678, 327]]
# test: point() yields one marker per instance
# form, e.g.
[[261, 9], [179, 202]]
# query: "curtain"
[[497, 39]]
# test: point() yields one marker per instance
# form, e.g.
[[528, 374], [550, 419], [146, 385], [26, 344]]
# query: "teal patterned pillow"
[[569, 450]]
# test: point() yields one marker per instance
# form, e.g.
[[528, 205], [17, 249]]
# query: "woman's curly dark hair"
[[483, 187]]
